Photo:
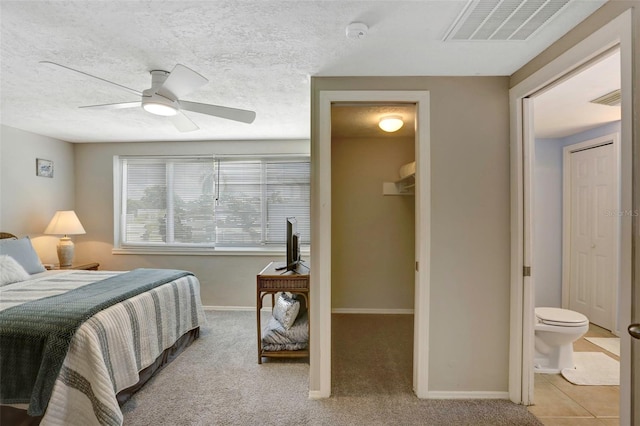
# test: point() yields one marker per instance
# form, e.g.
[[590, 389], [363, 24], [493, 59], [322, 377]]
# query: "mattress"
[[108, 351]]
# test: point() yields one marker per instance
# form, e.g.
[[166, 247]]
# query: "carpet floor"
[[217, 381]]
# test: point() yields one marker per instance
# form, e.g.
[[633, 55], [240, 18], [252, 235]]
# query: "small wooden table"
[[272, 281]]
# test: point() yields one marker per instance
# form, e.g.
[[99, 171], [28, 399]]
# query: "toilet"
[[555, 331]]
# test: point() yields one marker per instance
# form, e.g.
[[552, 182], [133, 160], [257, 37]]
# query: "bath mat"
[[593, 368], [611, 344]]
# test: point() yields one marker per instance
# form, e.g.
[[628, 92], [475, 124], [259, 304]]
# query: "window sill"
[[221, 251]]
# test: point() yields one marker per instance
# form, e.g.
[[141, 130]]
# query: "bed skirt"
[[12, 416]]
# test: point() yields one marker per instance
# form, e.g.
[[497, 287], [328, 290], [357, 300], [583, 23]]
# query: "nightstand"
[[81, 266]]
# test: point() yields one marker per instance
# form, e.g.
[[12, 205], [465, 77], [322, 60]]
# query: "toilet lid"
[[561, 317]]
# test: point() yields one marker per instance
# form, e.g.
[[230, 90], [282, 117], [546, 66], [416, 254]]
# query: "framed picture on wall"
[[44, 167]]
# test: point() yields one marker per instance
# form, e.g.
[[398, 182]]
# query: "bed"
[[94, 337]]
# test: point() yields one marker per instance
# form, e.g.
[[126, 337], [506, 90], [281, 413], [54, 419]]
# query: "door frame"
[[617, 32], [321, 234], [613, 139]]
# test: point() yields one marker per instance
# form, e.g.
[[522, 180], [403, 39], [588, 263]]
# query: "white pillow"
[[286, 310], [11, 271]]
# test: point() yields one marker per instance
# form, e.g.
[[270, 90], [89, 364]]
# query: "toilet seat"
[[561, 317]]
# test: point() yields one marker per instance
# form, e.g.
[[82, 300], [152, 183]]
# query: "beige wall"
[[28, 202], [372, 237], [469, 309], [226, 280]]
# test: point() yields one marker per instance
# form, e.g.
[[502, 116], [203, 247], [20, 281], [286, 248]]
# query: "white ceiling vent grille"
[[610, 99], [500, 20]]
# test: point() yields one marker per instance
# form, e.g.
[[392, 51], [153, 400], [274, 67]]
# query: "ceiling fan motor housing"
[[157, 104]]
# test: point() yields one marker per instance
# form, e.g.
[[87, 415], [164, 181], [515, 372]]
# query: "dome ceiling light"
[[391, 123]]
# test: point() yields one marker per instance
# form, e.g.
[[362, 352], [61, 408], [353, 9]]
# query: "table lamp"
[[65, 222]]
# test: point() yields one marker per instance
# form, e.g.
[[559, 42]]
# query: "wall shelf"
[[404, 186]]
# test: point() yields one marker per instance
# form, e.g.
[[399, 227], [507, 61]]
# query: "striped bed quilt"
[[110, 348]]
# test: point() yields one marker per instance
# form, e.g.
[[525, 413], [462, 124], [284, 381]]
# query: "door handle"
[[634, 331]]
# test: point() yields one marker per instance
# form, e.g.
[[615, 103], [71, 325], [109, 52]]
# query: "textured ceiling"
[[366, 116], [257, 55]]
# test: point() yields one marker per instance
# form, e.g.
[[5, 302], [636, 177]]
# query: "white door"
[[592, 276]]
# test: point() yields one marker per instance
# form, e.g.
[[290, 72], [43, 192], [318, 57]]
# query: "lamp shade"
[[65, 222], [391, 123]]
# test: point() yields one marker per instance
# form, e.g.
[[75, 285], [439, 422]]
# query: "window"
[[205, 202]]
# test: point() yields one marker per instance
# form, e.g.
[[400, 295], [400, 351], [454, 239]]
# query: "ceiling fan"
[[163, 97]]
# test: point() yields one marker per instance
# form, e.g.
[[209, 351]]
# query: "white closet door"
[[592, 234], [603, 236], [580, 232]]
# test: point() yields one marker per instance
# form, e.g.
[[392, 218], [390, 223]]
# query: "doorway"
[[373, 247], [615, 33], [576, 234], [322, 242]]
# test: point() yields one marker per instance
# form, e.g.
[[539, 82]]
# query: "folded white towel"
[[408, 170]]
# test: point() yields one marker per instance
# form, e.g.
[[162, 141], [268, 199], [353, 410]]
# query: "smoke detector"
[[357, 30]]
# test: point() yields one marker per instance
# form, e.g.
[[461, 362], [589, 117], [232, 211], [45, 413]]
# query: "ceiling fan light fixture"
[[391, 123], [163, 97], [159, 109]]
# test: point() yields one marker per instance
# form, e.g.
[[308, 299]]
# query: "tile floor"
[[561, 403]]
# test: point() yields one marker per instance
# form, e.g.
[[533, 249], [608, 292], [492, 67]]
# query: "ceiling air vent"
[[610, 99], [501, 20]]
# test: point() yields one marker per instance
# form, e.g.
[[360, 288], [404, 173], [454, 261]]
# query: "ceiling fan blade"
[[135, 92], [181, 82], [120, 105], [183, 123], [242, 115]]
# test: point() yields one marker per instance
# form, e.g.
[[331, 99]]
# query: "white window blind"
[[255, 198], [207, 202], [168, 200]]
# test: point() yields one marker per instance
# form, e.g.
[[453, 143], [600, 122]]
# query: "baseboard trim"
[[467, 395], [372, 311], [316, 395], [333, 311], [229, 308]]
